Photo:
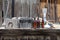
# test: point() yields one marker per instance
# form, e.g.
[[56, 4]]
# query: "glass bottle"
[[42, 23], [34, 24], [38, 23]]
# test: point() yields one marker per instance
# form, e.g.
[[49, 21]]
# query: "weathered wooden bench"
[[19, 34]]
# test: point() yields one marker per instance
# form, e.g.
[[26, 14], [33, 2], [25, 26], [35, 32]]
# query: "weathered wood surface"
[[52, 33], [0, 13], [29, 31]]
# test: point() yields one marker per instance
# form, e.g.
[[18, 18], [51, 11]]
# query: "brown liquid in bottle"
[[42, 23], [38, 24], [34, 24]]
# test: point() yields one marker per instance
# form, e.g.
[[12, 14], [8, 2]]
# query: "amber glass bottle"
[[38, 23], [42, 23], [34, 24]]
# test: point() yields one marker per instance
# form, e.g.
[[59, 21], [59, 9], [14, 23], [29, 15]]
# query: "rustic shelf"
[[53, 33]]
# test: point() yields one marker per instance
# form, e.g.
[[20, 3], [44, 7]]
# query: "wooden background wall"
[[41, 5], [51, 13], [58, 9], [0, 13]]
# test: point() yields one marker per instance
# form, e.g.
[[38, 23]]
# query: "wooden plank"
[[0, 13], [52, 33]]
